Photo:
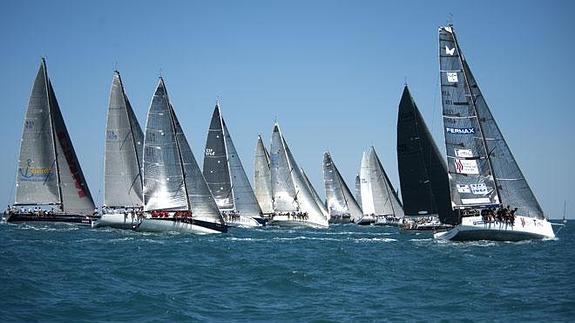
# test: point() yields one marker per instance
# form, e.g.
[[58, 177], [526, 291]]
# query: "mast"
[[464, 72], [47, 81]]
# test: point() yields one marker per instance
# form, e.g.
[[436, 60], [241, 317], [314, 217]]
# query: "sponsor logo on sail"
[[452, 77], [111, 135], [464, 153], [449, 51], [34, 174], [463, 166], [210, 152], [479, 189], [480, 200], [460, 131], [463, 188]]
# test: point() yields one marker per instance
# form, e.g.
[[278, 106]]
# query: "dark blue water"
[[346, 273]]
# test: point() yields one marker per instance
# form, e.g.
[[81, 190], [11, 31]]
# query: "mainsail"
[[291, 192], [124, 143], [225, 173], [422, 170], [48, 170], [340, 201], [377, 193], [358, 190], [172, 177], [481, 166], [262, 178]]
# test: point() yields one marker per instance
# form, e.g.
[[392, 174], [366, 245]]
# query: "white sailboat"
[[263, 178], [176, 195], [50, 184], [483, 174], [341, 204], [379, 201], [226, 177], [123, 180], [293, 202]]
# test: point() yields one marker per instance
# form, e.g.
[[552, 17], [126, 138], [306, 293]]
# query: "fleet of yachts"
[[153, 182]]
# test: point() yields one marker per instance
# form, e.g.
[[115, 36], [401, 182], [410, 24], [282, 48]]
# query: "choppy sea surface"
[[345, 273]]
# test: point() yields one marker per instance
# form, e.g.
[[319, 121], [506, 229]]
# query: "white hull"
[[243, 222], [118, 220], [474, 228], [285, 221], [160, 225]]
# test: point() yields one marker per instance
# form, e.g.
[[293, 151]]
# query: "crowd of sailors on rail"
[[127, 211], [12, 209], [293, 215], [503, 214]]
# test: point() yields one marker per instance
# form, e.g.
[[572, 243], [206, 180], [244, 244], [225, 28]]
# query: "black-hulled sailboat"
[[176, 195], [293, 202], [123, 182], [263, 178], [50, 185], [488, 189], [226, 177], [341, 204], [422, 172], [379, 200]]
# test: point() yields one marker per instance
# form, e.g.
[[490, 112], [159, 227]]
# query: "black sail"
[[422, 170]]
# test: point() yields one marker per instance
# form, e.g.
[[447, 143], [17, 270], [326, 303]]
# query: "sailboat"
[[488, 189], [380, 203], [564, 212], [422, 172], [226, 177], [176, 195], [50, 184], [123, 182], [263, 178], [293, 202], [341, 204]]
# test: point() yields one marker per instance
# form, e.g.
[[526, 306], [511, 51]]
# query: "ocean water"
[[345, 273]]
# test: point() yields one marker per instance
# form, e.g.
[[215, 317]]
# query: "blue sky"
[[331, 72]]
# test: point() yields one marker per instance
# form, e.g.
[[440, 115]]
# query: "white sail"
[[49, 171], [284, 191], [262, 178], [365, 178], [380, 197], [340, 200], [358, 190], [164, 187], [124, 141]]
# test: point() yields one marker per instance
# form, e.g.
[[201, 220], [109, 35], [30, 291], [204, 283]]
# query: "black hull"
[[49, 218]]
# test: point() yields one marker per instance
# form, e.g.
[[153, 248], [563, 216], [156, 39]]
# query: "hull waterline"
[[474, 229]]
